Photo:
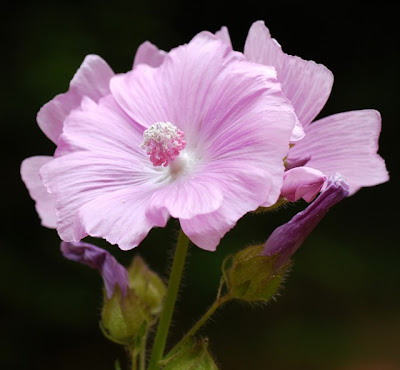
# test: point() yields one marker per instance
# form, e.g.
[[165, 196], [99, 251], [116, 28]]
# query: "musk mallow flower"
[[198, 134], [346, 142], [113, 273], [286, 239]]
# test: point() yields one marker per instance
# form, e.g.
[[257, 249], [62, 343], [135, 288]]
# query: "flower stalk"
[[170, 299], [218, 303]]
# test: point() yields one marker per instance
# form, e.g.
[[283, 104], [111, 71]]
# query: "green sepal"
[[124, 319], [146, 285], [250, 276], [193, 355]]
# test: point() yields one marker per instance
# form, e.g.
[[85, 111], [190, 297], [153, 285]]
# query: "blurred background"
[[339, 308]]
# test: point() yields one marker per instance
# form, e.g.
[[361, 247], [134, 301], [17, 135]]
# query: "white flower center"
[[163, 142]]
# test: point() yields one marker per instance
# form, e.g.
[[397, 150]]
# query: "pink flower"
[[347, 142], [198, 134]]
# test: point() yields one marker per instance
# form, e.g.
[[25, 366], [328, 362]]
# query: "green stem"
[[172, 292], [142, 355], [219, 302], [134, 360]]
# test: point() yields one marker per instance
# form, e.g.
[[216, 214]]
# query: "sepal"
[[251, 276], [193, 355]]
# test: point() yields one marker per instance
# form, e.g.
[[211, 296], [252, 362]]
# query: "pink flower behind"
[[92, 80], [217, 129], [346, 143]]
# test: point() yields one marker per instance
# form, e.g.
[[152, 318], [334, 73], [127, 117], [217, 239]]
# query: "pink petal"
[[240, 197], [346, 143], [302, 182], [223, 35], [149, 54], [78, 178], [91, 80], [102, 127], [177, 91], [306, 83], [45, 203], [119, 217], [186, 198]]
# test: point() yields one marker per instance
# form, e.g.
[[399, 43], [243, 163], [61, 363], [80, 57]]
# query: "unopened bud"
[[147, 285], [251, 276], [193, 355]]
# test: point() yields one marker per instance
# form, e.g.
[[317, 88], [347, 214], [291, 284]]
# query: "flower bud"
[[193, 355], [251, 275], [124, 320], [147, 285], [286, 239]]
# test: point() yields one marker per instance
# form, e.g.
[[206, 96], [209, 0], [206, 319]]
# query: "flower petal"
[[302, 182], [242, 194], [78, 178], [345, 143], [91, 80], [306, 83], [45, 203], [223, 34], [177, 91], [101, 127], [119, 217], [286, 239], [113, 273], [186, 198], [149, 54]]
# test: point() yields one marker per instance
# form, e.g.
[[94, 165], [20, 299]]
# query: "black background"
[[340, 307]]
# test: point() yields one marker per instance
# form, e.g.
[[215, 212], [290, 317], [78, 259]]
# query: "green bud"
[[124, 319], [147, 285], [251, 276], [192, 356]]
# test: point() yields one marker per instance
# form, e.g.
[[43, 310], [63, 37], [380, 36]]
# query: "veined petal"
[[286, 239], [101, 127], [186, 198], [306, 83], [149, 54], [241, 195], [302, 182], [91, 80], [45, 203], [223, 34], [112, 272], [119, 217], [345, 143], [78, 178], [177, 91]]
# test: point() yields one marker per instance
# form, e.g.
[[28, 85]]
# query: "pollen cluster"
[[163, 142]]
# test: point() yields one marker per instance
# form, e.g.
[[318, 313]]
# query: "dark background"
[[339, 308]]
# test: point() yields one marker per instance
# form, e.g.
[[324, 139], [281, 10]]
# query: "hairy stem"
[[219, 302], [170, 299]]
